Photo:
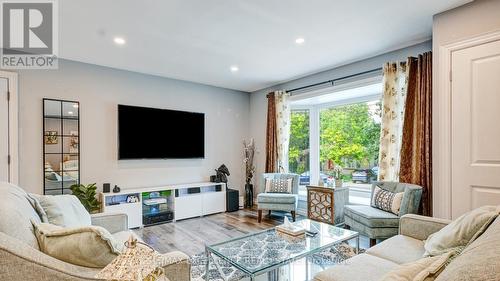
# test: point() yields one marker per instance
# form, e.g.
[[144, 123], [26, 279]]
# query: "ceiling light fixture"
[[119, 41], [300, 40], [234, 68], [75, 105], [70, 112]]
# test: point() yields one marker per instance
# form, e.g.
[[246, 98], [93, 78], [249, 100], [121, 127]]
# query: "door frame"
[[442, 122], [12, 78]]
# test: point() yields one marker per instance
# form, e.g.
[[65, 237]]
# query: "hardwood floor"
[[191, 235]]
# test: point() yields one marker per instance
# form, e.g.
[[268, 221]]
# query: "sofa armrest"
[[18, 261], [113, 222], [420, 227], [177, 266]]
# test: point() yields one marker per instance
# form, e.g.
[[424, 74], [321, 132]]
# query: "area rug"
[[329, 257]]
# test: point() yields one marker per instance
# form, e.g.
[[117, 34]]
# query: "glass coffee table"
[[268, 250]]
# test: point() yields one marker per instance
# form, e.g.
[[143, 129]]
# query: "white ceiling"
[[198, 40]]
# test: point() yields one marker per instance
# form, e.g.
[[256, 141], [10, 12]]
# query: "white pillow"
[[278, 186], [386, 200], [460, 231], [63, 210]]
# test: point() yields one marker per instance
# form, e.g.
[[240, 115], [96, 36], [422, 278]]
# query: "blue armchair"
[[377, 224], [278, 201]]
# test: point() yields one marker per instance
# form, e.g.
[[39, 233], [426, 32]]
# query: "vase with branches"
[[337, 175], [248, 155]]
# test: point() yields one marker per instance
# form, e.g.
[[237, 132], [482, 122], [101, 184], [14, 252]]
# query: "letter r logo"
[[27, 28]]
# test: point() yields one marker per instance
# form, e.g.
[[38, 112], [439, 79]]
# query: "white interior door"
[[475, 132], [4, 130]]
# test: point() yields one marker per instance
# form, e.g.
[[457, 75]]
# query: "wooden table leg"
[[259, 216]]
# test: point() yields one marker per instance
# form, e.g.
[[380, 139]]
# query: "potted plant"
[[248, 153], [337, 175], [87, 196]]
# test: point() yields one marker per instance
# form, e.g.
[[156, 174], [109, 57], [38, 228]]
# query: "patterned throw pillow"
[[387, 201], [278, 185]]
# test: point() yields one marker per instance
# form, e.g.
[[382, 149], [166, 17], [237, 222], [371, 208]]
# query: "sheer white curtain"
[[282, 128], [393, 111]]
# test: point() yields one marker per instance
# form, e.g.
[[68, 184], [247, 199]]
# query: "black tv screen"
[[152, 133]]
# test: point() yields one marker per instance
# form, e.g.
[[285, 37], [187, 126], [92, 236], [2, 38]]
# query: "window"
[[298, 156], [338, 126], [349, 138]]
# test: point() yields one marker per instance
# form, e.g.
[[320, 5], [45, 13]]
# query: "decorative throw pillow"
[[461, 231], [63, 210], [424, 269], [387, 201], [90, 246], [279, 185]]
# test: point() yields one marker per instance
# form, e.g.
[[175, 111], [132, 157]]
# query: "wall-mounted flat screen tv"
[[153, 133]]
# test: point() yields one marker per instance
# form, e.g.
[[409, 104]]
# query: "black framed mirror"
[[61, 145]]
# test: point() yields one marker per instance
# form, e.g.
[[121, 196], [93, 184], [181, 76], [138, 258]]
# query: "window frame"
[[314, 119]]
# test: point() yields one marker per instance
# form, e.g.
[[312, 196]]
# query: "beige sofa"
[[479, 261], [21, 258]]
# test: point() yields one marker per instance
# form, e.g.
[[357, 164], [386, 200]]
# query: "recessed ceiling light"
[[75, 105], [70, 112], [234, 68], [119, 41], [300, 40]]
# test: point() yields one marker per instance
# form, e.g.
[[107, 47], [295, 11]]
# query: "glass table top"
[[259, 251]]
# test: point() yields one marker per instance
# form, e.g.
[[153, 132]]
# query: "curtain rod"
[[332, 81]]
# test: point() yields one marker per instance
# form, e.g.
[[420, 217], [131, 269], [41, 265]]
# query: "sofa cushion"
[[278, 185], [90, 246], [386, 200], [399, 249], [16, 213], [460, 231], [424, 269], [479, 261], [358, 268], [64, 210], [277, 198], [371, 217]]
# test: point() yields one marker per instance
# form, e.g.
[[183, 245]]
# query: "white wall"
[[99, 90], [453, 26], [258, 100]]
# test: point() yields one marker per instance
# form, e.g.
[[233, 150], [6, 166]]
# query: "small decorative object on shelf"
[[249, 152], [132, 199], [138, 262], [87, 195], [337, 175], [222, 173], [116, 189]]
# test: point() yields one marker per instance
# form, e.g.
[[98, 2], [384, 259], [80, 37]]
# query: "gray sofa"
[[21, 258], [479, 261]]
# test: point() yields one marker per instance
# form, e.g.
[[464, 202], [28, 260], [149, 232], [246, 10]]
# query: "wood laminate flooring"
[[191, 235]]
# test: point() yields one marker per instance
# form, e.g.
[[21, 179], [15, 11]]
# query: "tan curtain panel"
[[271, 136], [416, 149], [393, 107]]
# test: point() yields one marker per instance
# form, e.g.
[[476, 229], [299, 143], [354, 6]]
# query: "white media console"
[[183, 201]]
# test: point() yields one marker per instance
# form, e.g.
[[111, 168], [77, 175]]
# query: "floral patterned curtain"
[[393, 111], [282, 128]]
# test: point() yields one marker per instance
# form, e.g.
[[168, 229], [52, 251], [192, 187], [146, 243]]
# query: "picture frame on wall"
[[51, 137], [73, 142]]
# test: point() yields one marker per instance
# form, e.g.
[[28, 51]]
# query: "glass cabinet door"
[[61, 146]]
